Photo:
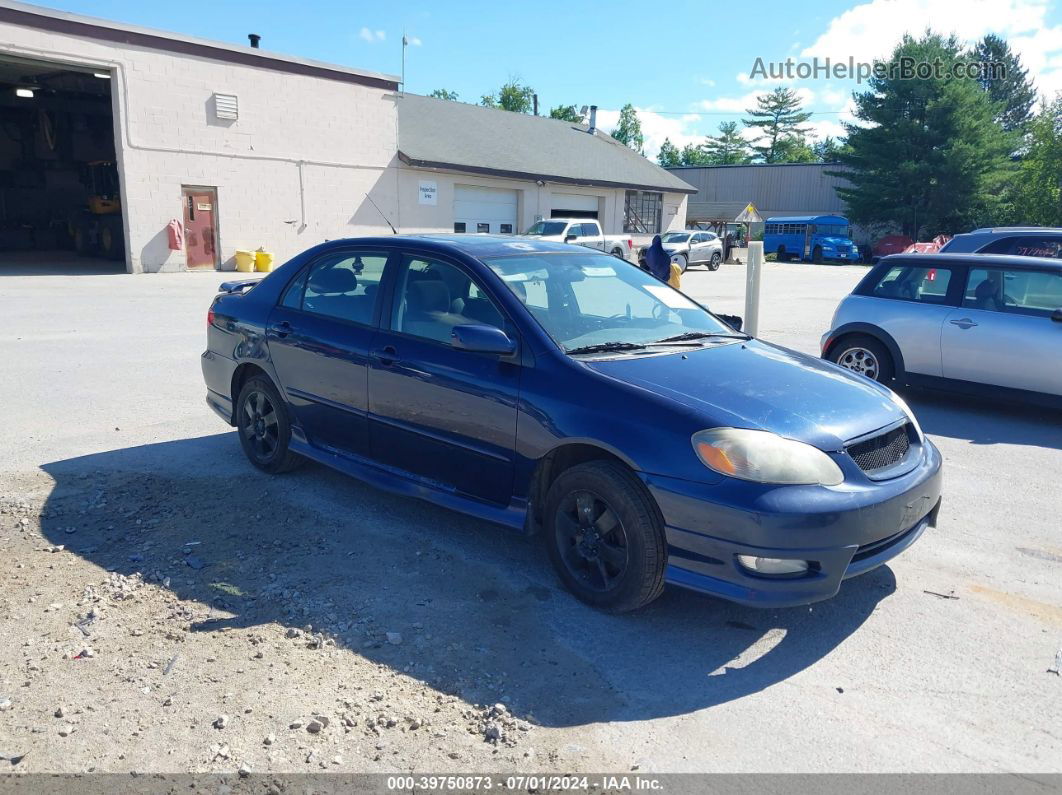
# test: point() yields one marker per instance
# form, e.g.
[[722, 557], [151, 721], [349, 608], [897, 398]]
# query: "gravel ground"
[[164, 607]]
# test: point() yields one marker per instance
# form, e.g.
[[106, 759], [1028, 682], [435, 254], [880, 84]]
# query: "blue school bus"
[[810, 238]]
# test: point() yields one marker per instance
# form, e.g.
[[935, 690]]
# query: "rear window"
[[1047, 246], [912, 283]]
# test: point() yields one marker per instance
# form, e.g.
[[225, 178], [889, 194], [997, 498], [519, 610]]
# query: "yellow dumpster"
[[263, 261], [244, 261]]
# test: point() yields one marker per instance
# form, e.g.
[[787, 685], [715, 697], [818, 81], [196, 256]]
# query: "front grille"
[[881, 451]]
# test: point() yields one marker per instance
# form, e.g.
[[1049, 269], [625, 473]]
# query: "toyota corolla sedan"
[[563, 392]]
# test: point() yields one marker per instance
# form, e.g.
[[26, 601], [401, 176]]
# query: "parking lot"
[[205, 589]]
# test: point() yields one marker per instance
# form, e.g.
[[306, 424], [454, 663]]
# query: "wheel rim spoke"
[[566, 525], [612, 554], [606, 522]]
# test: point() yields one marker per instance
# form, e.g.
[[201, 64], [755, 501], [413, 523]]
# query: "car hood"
[[764, 387]]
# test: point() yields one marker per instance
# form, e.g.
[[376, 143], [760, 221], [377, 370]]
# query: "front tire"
[[605, 537], [264, 427], [864, 355], [713, 263], [816, 255], [616, 252]]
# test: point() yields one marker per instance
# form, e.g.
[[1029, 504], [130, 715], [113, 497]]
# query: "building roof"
[[49, 19], [438, 133]]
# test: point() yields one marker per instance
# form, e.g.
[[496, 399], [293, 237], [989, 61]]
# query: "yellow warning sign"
[[749, 215]]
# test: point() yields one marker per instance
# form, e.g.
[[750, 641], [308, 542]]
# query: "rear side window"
[[911, 283], [343, 285], [1022, 292], [1048, 246]]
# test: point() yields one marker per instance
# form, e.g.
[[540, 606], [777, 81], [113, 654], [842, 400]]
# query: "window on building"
[[643, 211], [459, 227], [483, 227], [506, 229]]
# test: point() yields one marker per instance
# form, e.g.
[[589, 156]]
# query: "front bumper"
[[843, 531]]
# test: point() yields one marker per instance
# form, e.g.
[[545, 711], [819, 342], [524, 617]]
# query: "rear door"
[[1003, 334], [319, 337]]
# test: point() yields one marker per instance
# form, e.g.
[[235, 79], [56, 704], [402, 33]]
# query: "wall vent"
[[226, 106]]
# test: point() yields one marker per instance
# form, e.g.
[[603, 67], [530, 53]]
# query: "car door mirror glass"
[[1057, 316], [481, 338], [569, 238]]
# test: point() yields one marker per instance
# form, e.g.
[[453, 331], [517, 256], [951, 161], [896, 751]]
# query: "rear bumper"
[[841, 533], [217, 373]]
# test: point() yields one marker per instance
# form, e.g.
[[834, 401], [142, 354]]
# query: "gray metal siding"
[[797, 189]]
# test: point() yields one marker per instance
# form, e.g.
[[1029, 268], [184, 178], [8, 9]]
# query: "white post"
[[752, 288]]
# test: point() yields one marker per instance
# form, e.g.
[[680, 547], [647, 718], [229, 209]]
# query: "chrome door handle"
[[963, 322]]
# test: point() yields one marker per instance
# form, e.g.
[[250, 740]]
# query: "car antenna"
[[381, 212]]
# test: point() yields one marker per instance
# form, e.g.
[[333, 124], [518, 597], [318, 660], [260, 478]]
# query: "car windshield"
[[675, 237], [586, 300], [547, 228]]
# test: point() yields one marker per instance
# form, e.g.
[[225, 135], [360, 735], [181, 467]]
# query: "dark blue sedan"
[[565, 392]]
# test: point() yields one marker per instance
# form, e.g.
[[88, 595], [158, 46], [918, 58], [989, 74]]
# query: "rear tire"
[[264, 427], [605, 536], [780, 255], [713, 263], [616, 252], [864, 355]]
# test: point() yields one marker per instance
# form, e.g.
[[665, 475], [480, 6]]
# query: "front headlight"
[[764, 457]]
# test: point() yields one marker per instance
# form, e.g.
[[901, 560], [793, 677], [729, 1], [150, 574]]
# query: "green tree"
[[1012, 92], [1037, 194], [778, 117], [442, 93], [566, 113], [629, 130], [512, 96], [926, 155], [826, 149], [728, 148], [694, 155], [669, 155]]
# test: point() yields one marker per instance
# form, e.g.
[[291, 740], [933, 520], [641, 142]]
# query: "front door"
[[445, 415], [319, 337], [201, 226], [1003, 333]]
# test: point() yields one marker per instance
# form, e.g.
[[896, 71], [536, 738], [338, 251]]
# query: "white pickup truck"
[[581, 232]]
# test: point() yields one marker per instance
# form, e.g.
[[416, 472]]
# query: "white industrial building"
[[114, 135]]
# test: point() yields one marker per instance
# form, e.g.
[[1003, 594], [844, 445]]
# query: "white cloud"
[[656, 128], [372, 36], [872, 29], [414, 41]]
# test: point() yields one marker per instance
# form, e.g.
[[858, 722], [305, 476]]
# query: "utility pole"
[[405, 43]]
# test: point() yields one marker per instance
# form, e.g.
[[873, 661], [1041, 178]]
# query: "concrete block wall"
[[291, 171]]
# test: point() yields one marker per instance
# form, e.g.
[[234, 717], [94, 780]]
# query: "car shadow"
[[985, 420], [480, 612]]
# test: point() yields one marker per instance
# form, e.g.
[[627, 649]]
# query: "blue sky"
[[685, 71]]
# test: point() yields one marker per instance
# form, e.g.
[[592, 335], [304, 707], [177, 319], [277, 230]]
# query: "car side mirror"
[[1057, 316], [480, 338], [569, 238]]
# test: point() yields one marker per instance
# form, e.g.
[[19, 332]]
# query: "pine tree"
[[668, 156], [728, 148], [778, 117], [927, 155], [629, 130], [1013, 92], [1038, 187]]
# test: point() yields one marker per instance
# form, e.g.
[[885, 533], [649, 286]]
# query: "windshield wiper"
[[606, 347], [700, 335]]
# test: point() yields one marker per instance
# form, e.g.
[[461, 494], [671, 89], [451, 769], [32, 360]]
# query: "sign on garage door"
[[573, 205], [478, 209]]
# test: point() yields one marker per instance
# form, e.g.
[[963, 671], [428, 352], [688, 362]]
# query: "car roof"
[[475, 245], [804, 218], [978, 260], [1006, 230]]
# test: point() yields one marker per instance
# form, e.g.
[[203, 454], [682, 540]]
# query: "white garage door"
[[579, 204], [479, 209]]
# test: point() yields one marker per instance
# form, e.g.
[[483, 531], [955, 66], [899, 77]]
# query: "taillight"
[[210, 317], [630, 243]]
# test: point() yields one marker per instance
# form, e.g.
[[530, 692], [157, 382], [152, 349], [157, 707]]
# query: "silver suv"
[[690, 247], [979, 323]]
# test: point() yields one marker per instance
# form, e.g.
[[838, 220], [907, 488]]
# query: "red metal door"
[[200, 226]]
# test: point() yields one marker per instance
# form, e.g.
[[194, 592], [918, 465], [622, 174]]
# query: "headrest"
[[333, 280], [429, 296], [986, 289]]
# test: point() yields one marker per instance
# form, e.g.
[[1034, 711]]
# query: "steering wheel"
[[661, 312]]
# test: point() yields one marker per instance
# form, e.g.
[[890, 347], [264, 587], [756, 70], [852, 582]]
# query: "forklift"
[[97, 229]]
